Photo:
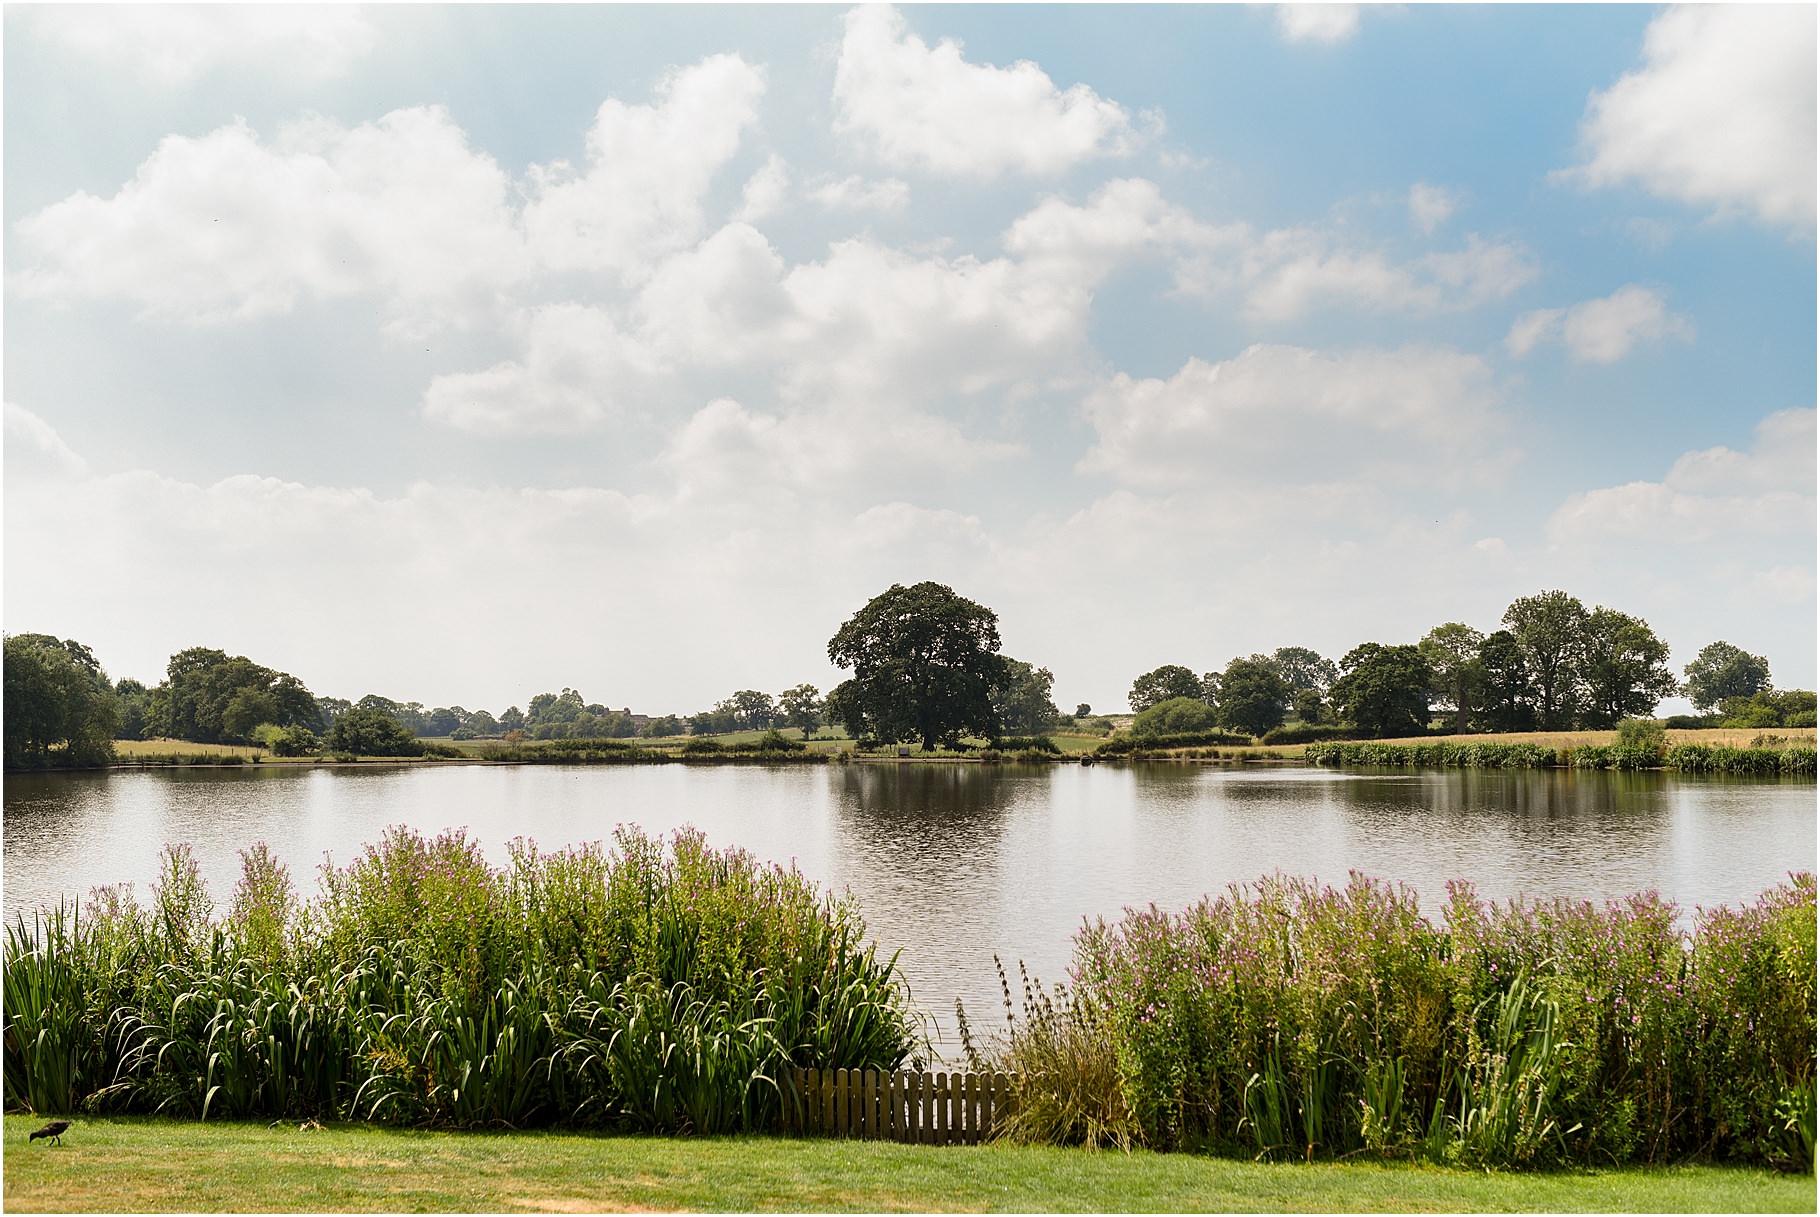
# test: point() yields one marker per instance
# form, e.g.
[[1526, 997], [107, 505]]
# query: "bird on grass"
[[54, 1130]]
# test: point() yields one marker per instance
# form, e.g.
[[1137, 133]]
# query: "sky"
[[462, 353]]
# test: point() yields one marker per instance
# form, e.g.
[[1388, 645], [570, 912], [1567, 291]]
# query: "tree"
[[200, 686], [1722, 670], [1022, 699], [1253, 695], [1384, 689], [1303, 669], [57, 700], [663, 727], [1177, 716], [135, 702], [1170, 680], [924, 664], [1452, 652], [367, 732], [1507, 701], [1623, 667], [801, 707], [752, 710], [1547, 629]]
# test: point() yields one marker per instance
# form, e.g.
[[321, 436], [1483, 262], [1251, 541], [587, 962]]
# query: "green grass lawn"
[[153, 1165]]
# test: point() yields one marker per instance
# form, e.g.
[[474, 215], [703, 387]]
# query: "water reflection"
[[952, 863]]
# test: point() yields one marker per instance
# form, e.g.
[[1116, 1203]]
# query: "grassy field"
[[130, 749], [152, 1165]]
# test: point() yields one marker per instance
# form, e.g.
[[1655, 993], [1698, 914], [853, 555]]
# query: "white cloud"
[[35, 451], [224, 226], [1125, 218], [1603, 330], [578, 370], [919, 107], [1291, 272], [1329, 23], [727, 457], [1719, 116], [648, 167], [1297, 416], [765, 191], [1716, 495], [1430, 206], [172, 44], [855, 193]]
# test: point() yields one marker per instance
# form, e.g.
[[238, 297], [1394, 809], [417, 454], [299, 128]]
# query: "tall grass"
[[1290, 1020], [660, 985], [1681, 758]]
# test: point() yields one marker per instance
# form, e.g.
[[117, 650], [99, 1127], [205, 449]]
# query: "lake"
[[954, 862]]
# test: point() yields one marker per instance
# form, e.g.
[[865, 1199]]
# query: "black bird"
[[54, 1130]]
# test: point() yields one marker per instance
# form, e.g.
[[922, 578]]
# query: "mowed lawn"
[[154, 1165]]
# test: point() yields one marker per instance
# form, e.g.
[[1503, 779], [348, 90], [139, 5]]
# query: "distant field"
[[127, 749]]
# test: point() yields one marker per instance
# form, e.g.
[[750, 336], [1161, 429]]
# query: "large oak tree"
[[925, 662]]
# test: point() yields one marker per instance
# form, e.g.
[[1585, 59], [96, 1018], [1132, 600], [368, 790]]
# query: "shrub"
[[1121, 745], [1641, 733], [1304, 733], [1177, 716], [371, 733]]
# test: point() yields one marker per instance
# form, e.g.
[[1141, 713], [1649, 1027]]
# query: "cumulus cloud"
[[648, 166], [732, 458], [1296, 416], [1329, 23], [172, 45], [765, 191], [855, 193], [1430, 206], [1291, 272], [225, 226], [1603, 330], [919, 107], [35, 451], [1720, 115], [578, 370], [1714, 495]]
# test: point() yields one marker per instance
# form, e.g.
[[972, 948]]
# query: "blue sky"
[[460, 353]]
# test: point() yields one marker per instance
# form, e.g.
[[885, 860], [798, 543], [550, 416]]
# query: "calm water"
[[955, 862]]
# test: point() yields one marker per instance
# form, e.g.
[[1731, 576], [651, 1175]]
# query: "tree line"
[[927, 668], [1552, 665]]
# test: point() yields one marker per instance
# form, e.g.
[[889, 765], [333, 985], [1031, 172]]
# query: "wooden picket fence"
[[926, 1108]]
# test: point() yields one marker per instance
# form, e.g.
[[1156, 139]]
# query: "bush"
[[662, 986], [1690, 722], [1305, 733], [1177, 716], [701, 747], [1120, 745], [1289, 1020], [371, 733]]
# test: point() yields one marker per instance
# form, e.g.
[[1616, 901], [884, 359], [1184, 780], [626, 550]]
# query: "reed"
[[658, 985]]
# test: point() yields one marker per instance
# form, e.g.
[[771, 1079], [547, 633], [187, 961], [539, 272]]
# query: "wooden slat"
[[871, 1105], [970, 1109], [897, 1105], [928, 1086]]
